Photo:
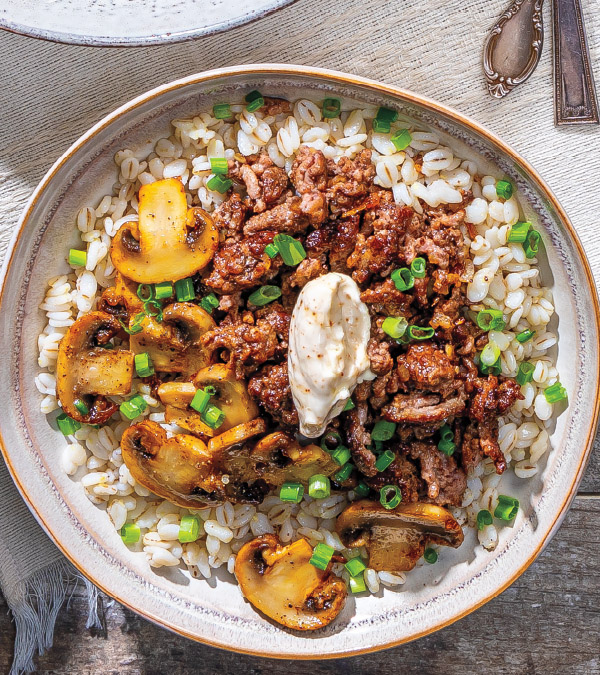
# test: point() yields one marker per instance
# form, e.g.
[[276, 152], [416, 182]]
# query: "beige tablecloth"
[[51, 93]]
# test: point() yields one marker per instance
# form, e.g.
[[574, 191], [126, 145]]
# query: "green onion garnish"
[[321, 556], [130, 533], [145, 292], [447, 447], [417, 268], [331, 108], [390, 496], [525, 373], [213, 416], [507, 508], [490, 354], [153, 309], [394, 326], [403, 279], [219, 166], [81, 406], [518, 232], [209, 302], [383, 430], [384, 460], [210, 390], [349, 405], [134, 407], [494, 369], [446, 433], [386, 114], [381, 126], [532, 244], [291, 492], [77, 257], [362, 489], [67, 424], [219, 184], [430, 556], [163, 290], [420, 332], [184, 289], [344, 473], [271, 250], [291, 250], [135, 324], [264, 295], [330, 441], [555, 393], [401, 139], [143, 365], [525, 335], [355, 566], [222, 111], [484, 518], [504, 189], [341, 455], [357, 584], [490, 319], [254, 100], [319, 486], [189, 529], [200, 400]]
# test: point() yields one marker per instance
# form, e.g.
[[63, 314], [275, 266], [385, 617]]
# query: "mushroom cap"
[[280, 582], [169, 242], [176, 397], [397, 538]]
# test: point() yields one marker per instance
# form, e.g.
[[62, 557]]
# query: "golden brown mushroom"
[[237, 436], [170, 241], [121, 299], [397, 538], [281, 583], [176, 397], [174, 343], [87, 372]]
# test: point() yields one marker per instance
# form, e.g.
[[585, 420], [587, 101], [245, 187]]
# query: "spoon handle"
[[574, 92], [513, 47]]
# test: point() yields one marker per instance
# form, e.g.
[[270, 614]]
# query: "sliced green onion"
[[447, 447], [355, 566], [222, 111], [328, 441], [291, 492], [257, 104], [344, 473], [507, 508], [401, 139], [341, 455], [209, 302], [525, 373], [390, 496], [446, 433], [319, 486], [213, 416], [494, 369], [525, 336], [331, 108], [264, 295], [490, 319], [200, 400], [394, 326], [291, 250], [184, 289], [384, 460], [67, 424], [253, 95], [145, 292], [134, 407], [504, 189], [153, 309], [420, 332], [484, 518], [383, 430], [357, 584], [417, 268], [81, 406], [130, 533], [349, 405], [555, 393], [163, 290], [135, 324], [219, 184], [490, 354], [189, 529], [143, 365], [321, 556], [219, 166], [381, 126], [271, 250], [403, 279], [362, 489], [210, 390], [77, 257], [430, 556], [518, 232], [531, 245], [386, 115]]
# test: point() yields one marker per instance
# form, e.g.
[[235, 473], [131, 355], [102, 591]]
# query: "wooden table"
[[548, 621]]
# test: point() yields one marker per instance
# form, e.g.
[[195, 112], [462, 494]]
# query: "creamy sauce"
[[327, 355]]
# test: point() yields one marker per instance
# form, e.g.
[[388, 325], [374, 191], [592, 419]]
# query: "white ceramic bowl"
[[215, 612]]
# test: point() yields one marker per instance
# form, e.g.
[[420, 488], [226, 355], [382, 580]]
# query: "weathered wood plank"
[[591, 481], [547, 622]]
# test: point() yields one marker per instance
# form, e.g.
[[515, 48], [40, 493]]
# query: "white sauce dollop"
[[327, 355]]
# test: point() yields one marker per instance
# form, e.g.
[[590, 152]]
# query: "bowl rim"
[[339, 78]]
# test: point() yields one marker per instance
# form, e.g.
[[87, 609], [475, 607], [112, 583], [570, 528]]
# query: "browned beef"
[[349, 181], [358, 438], [270, 387], [307, 270], [493, 398], [379, 356], [230, 215], [403, 473], [287, 217], [446, 481], [419, 408], [376, 254], [386, 298], [427, 367], [275, 106], [309, 171]]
